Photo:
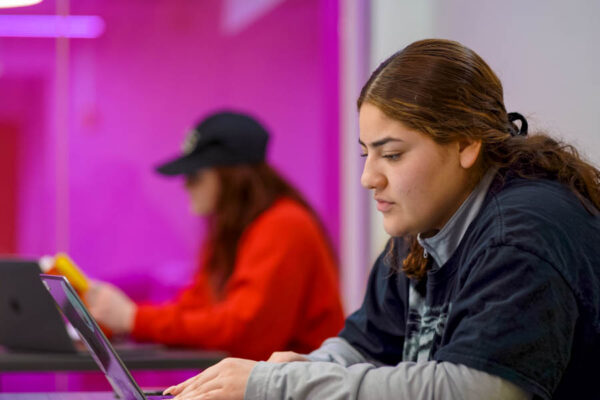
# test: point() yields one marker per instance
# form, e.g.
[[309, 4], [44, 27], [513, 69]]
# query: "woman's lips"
[[383, 205]]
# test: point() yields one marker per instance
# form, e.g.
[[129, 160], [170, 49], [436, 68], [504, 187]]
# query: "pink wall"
[[133, 92]]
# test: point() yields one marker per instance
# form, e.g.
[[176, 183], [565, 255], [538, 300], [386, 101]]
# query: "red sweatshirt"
[[283, 294]]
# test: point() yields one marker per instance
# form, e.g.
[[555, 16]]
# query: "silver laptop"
[[100, 348]]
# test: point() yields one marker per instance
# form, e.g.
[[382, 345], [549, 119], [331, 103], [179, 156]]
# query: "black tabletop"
[[151, 357]]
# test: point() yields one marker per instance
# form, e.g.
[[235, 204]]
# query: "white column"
[[354, 223]]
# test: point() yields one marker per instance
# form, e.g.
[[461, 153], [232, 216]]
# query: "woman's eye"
[[363, 155], [392, 157]]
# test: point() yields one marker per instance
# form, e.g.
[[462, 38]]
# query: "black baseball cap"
[[222, 138]]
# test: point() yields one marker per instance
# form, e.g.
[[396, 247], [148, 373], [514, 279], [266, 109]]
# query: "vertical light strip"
[[354, 48], [62, 134]]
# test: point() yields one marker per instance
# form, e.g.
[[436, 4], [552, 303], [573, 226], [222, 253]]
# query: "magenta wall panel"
[[131, 94], [89, 128]]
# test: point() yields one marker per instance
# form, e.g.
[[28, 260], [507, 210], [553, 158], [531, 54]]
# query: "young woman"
[[267, 279], [490, 286]]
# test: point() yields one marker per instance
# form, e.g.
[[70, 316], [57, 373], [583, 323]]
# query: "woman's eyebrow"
[[380, 142]]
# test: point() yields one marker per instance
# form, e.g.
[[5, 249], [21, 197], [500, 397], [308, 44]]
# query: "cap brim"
[[193, 162], [182, 165]]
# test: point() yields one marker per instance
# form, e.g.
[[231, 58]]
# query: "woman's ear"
[[468, 152]]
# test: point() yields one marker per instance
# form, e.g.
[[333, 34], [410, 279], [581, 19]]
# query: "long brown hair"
[[245, 192], [445, 90]]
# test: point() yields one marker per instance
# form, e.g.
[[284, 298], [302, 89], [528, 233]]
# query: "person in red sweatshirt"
[[267, 278]]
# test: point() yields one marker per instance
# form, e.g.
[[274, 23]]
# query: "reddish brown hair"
[[445, 90], [245, 192]]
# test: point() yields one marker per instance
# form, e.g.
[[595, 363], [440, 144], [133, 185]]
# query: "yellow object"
[[61, 264]]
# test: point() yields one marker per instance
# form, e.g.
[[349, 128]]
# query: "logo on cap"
[[190, 142]]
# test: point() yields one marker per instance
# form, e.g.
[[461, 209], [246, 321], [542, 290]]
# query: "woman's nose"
[[371, 178]]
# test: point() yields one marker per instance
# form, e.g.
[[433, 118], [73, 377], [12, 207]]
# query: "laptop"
[[101, 350], [30, 322], [28, 318]]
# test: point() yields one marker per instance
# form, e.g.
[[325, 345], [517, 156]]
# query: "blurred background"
[[95, 93]]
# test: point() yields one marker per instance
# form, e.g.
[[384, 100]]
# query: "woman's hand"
[[111, 307], [223, 381], [286, 356]]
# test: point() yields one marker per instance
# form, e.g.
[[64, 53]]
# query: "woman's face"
[[417, 183], [203, 187]]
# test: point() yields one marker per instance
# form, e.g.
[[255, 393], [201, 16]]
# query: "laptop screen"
[[100, 348]]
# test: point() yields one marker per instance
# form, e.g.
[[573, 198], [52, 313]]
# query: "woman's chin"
[[394, 229]]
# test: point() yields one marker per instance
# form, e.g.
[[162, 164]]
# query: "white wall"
[[545, 53]]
